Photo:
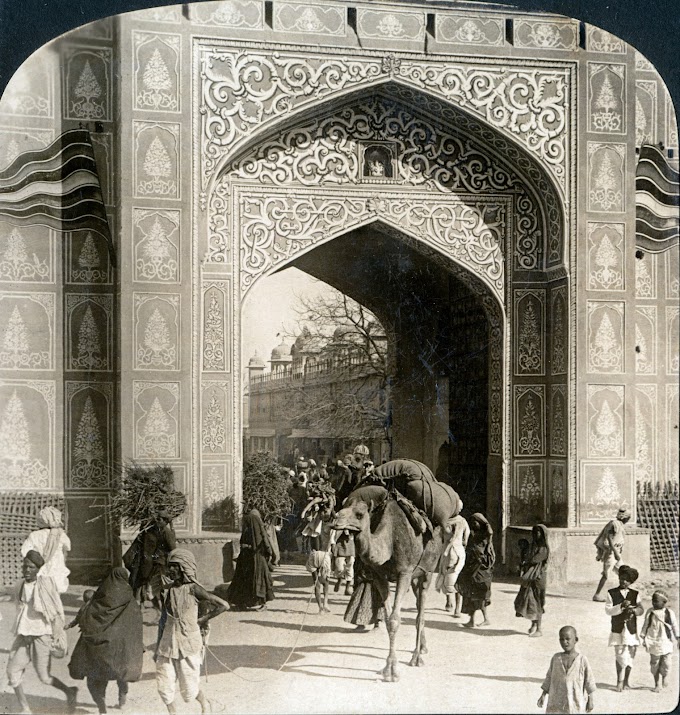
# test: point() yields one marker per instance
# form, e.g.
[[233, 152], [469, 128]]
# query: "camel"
[[393, 551]]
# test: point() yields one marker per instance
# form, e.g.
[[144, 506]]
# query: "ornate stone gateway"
[[493, 152]]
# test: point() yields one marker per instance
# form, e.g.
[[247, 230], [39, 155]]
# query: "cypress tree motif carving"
[[89, 353], [157, 261], [213, 487], [606, 192], [643, 280], [158, 349], [606, 120], [559, 346], [606, 437], [607, 260], [88, 89], [17, 469], [558, 432], [640, 123], [89, 468], [15, 352], [16, 265], [557, 493], [89, 255], [89, 263], [157, 439], [156, 79], [643, 456], [530, 490], [608, 493], [529, 341], [530, 440], [158, 166], [605, 352]]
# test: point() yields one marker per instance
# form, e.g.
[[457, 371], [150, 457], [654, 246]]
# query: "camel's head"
[[354, 517]]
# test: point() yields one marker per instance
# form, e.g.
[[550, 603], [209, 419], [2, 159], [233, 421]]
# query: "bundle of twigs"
[[265, 487], [144, 491]]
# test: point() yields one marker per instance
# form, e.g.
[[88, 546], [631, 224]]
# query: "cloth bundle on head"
[[186, 561], [628, 573], [623, 513]]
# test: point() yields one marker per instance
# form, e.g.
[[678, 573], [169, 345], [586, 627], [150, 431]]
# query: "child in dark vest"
[[660, 634], [624, 608]]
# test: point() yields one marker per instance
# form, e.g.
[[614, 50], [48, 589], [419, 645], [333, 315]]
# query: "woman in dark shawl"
[[110, 645], [251, 586], [366, 607], [475, 579], [530, 601]]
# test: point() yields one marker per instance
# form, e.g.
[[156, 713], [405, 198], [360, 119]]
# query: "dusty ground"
[[288, 659]]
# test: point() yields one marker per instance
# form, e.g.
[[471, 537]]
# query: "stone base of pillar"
[[572, 554]]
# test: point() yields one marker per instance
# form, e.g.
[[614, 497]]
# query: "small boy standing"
[[658, 632], [88, 593], [623, 607], [569, 683], [343, 554]]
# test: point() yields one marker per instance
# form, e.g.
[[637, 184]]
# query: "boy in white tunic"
[[659, 633], [569, 683], [180, 643]]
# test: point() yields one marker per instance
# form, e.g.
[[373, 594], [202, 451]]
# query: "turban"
[[35, 558], [628, 573], [186, 561], [50, 517], [623, 514]]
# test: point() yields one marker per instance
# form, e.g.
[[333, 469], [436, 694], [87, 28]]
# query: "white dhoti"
[[186, 670]]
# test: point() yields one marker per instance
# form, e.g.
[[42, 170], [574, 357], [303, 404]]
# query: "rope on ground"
[[281, 667]]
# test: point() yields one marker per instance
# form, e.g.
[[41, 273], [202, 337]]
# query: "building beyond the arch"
[[488, 151]]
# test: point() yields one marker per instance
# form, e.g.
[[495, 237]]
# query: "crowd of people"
[[110, 645]]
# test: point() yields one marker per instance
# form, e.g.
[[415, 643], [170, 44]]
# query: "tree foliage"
[[265, 487]]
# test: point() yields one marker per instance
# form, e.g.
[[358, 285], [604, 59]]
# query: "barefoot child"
[[623, 607], [658, 632], [569, 683], [319, 564]]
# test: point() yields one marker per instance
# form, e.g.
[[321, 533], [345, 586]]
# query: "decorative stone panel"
[[390, 25], [87, 83], [599, 40], [215, 406], [99, 30], [672, 265], [214, 479], [529, 331], [18, 140], [642, 64], [30, 92], [606, 98], [246, 14], [87, 258], [645, 111], [88, 435], [606, 431], [645, 433], [605, 256], [156, 331], [171, 14], [672, 442], [605, 329], [102, 145], [645, 339], [468, 30], [27, 331], [559, 422], [672, 339], [155, 245], [527, 499], [89, 320], [317, 18], [559, 331], [645, 274], [27, 434], [26, 254], [156, 420], [157, 162], [557, 493], [215, 333], [544, 35], [495, 388], [529, 423], [605, 488], [158, 57], [671, 123], [606, 173]]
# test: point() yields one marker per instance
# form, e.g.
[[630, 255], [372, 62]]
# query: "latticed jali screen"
[[18, 517], [657, 508]]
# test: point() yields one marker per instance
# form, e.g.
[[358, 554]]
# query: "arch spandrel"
[[243, 91]]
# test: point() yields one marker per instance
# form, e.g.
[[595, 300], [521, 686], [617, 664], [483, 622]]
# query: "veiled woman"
[[251, 586], [52, 543], [110, 645], [475, 579], [530, 601]]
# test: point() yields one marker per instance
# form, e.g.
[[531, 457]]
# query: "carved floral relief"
[[645, 111], [527, 499], [645, 274], [156, 419], [155, 238], [605, 421], [529, 331], [157, 160], [606, 487], [605, 336], [606, 171], [599, 40], [529, 420], [606, 98], [469, 30], [156, 331], [559, 422], [605, 256], [215, 333], [559, 333], [87, 258], [156, 74], [89, 331], [672, 339], [27, 323], [87, 83], [645, 433], [26, 254], [645, 339]]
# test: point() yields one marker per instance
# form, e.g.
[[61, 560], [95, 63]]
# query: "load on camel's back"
[[397, 517]]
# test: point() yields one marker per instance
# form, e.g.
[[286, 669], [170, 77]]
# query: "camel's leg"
[[420, 586], [389, 673]]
